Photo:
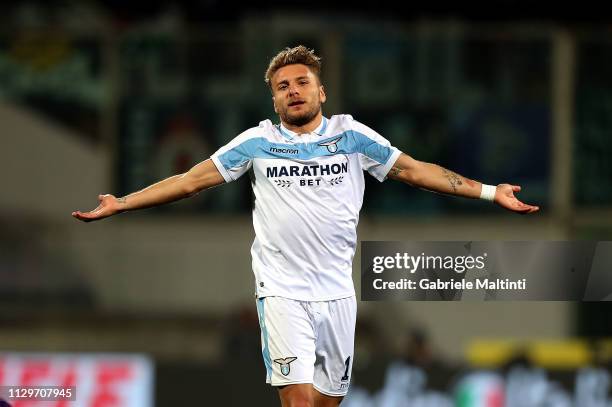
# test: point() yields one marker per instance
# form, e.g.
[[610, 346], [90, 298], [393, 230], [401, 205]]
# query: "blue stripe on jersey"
[[264, 332], [284, 133], [324, 126], [349, 142], [240, 154]]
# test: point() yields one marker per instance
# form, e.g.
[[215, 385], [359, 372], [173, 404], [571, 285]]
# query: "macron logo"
[[284, 150]]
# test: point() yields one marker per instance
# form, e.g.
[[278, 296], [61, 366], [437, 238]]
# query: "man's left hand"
[[504, 197]]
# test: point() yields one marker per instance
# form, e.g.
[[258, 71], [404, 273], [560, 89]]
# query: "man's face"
[[297, 94]]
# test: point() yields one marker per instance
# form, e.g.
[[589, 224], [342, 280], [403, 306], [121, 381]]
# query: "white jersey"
[[308, 192]]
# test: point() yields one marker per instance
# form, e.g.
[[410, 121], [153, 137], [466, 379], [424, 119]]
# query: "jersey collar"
[[320, 130]]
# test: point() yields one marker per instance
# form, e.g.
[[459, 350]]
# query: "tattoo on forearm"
[[121, 200], [453, 179], [395, 171]]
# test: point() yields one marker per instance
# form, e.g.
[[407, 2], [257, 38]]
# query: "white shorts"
[[308, 342]]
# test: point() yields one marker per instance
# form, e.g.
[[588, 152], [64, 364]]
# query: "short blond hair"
[[295, 55]]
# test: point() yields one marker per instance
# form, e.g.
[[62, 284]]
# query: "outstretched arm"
[[437, 179], [202, 176]]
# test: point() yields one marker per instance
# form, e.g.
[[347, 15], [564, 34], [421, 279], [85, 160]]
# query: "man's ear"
[[274, 104], [322, 95]]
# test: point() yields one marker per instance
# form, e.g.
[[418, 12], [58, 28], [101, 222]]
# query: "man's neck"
[[308, 127]]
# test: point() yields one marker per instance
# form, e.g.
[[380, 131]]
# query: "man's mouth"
[[296, 103]]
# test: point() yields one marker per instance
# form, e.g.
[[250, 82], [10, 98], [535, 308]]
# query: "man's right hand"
[[201, 176], [109, 205]]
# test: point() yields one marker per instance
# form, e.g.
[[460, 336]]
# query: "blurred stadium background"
[[156, 307]]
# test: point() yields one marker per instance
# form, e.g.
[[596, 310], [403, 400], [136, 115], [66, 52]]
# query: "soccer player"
[[307, 177]]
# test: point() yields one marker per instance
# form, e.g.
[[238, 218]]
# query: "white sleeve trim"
[[224, 173], [392, 159]]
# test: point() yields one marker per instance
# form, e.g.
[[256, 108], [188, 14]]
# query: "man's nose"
[[293, 90]]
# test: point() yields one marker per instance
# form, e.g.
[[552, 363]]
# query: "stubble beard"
[[300, 119]]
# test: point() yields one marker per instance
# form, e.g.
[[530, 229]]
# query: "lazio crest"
[[285, 364]]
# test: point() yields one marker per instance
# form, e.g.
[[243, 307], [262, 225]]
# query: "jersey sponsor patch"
[[306, 170]]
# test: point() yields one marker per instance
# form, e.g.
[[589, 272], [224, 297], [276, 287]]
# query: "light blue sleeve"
[[235, 158], [376, 154]]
